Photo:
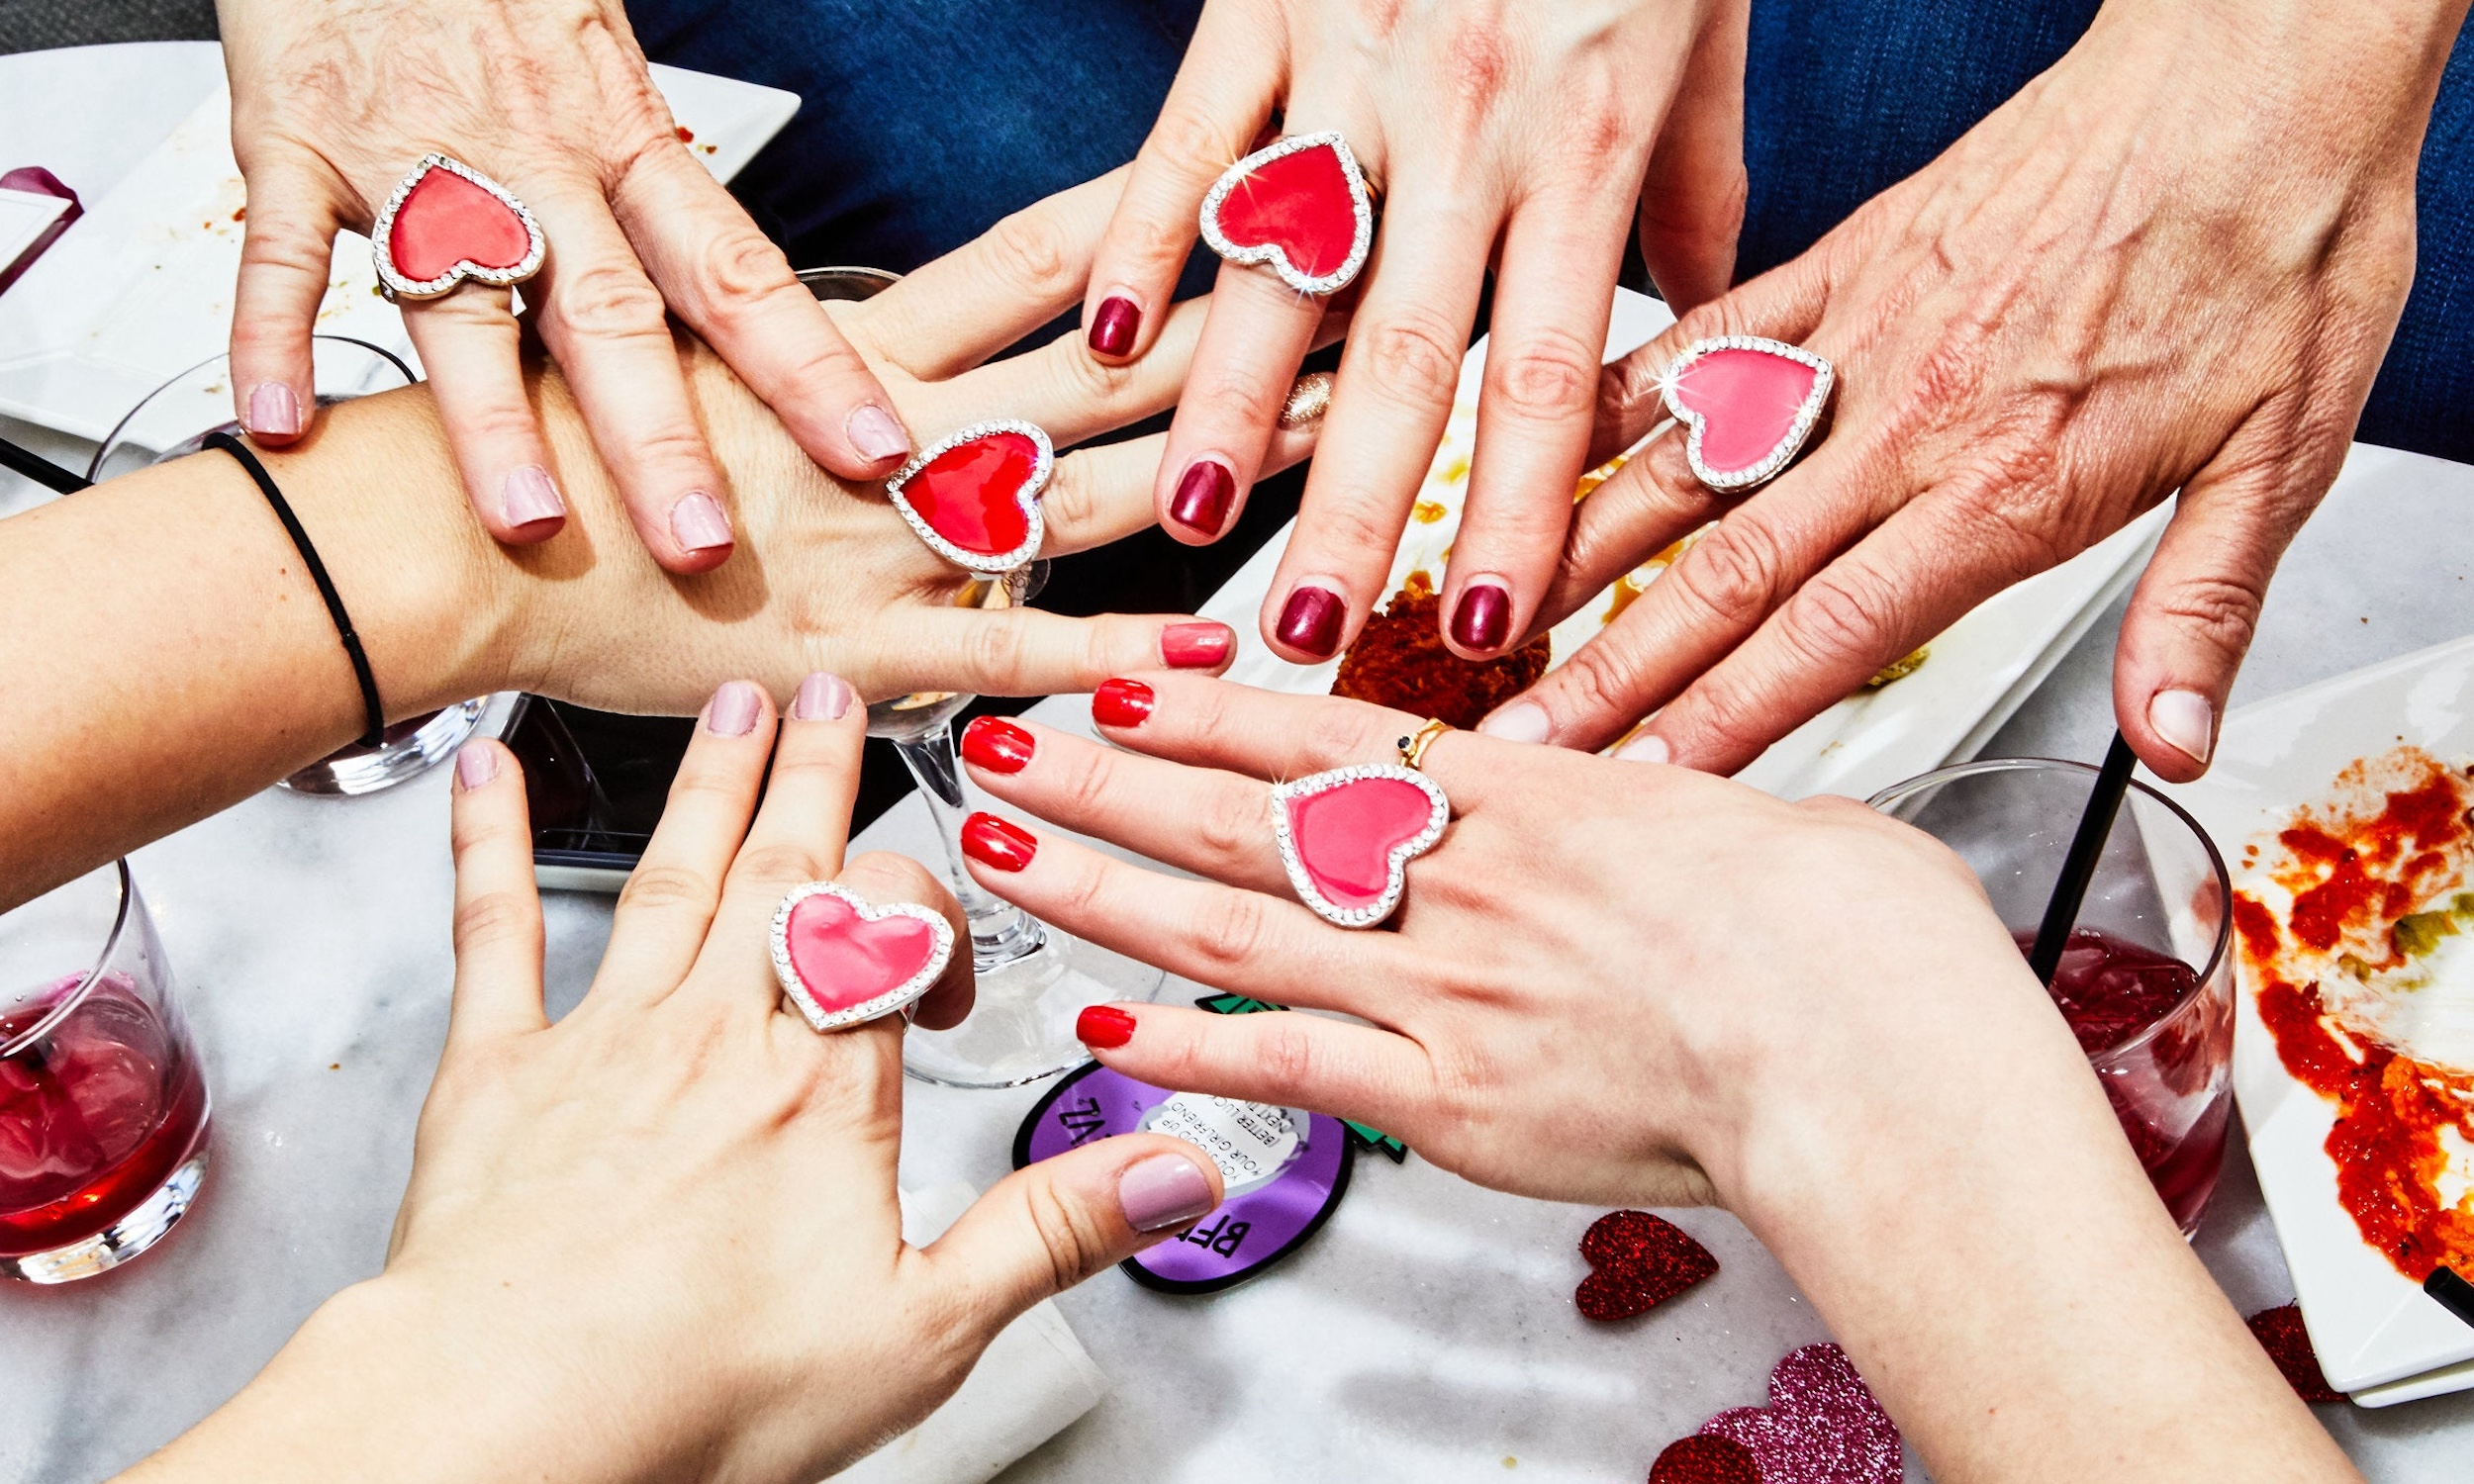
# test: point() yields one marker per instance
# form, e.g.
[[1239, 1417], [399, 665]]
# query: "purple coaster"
[[1284, 1168]]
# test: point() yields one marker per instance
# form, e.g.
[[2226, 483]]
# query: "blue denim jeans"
[[927, 119]]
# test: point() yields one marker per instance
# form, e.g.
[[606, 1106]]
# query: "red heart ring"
[[974, 496], [843, 961], [447, 221], [1751, 403], [1299, 206], [1347, 836]]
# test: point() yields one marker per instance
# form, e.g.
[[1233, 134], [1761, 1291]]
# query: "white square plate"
[[2378, 1334]]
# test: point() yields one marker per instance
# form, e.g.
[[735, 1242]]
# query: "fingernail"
[[1104, 1026], [530, 497], [477, 763], [732, 710], [875, 434], [1309, 398], [696, 521], [1521, 721], [274, 409], [1310, 622], [997, 844], [1163, 1191], [998, 745], [1481, 617], [1202, 496], [1123, 702], [1648, 747], [822, 696], [1113, 328], [1196, 646], [2185, 719]]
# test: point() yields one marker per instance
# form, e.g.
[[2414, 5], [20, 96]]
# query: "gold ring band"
[[1413, 746]]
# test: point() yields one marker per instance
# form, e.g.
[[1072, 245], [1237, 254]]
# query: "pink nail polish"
[[822, 696], [875, 434], [476, 763], [530, 497], [698, 523], [1196, 646], [734, 709], [273, 408], [1163, 1191]]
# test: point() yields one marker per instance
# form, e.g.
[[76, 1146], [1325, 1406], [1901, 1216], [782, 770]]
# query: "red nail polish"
[[1101, 1027], [1203, 497], [1123, 702], [1112, 330], [996, 843], [1310, 622], [995, 744], [1196, 646], [1482, 615]]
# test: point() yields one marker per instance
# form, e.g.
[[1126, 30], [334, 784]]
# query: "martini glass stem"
[[1000, 932]]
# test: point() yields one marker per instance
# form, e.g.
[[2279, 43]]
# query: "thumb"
[[1046, 1227], [1693, 198], [2192, 616]]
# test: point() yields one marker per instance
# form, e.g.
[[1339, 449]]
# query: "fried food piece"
[[1399, 660]]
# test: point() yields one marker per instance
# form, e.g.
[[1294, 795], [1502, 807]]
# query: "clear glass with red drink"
[[2146, 981], [103, 1105]]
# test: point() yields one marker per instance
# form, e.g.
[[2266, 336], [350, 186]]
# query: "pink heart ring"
[[1750, 402], [445, 222], [843, 961], [1347, 836]]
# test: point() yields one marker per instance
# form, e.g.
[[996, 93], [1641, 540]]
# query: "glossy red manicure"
[[996, 843], [1123, 702], [1103, 1027], [1196, 646], [998, 745], [1203, 497], [1112, 330], [1310, 622], [1482, 617]]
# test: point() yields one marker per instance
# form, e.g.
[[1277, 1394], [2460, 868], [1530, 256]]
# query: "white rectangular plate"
[[2378, 1334], [1979, 673]]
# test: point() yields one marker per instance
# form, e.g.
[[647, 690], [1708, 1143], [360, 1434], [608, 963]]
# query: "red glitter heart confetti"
[[1636, 1262], [1703, 1460], [1822, 1425], [2280, 1333]]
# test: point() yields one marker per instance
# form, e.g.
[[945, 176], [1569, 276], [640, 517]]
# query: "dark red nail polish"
[[997, 844], [1196, 646], [995, 744], [1123, 702], [1310, 622], [1203, 497], [1103, 1027], [1481, 617], [1113, 328]]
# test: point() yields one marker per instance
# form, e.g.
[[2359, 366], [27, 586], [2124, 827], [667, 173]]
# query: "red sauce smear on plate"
[[2353, 873]]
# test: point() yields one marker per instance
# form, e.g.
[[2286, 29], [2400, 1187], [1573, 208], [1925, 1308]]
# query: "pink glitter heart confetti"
[[1822, 1425]]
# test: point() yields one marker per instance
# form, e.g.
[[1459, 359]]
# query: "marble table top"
[[1427, 1333]]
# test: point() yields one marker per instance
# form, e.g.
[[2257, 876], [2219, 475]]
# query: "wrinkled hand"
[[659, 1238], [332, 103], [2172, 262], [1531, 131]]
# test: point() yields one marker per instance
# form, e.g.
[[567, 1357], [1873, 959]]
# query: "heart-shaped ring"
[[447, 221], [974, 496], [1751, 403], [1347, 836], [844, 963], [1298, 205]]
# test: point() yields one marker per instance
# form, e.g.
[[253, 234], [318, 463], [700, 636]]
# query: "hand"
[[659, 1237], [2122, 282], [1538, 125], [1679, 989], [333, 103]]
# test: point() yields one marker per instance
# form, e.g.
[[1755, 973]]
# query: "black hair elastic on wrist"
[[376, 713]]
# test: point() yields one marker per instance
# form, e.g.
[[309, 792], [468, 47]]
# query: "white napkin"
[[1032, 1383]]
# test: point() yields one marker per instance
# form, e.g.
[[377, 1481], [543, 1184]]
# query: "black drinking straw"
[[2078, 868], [2454, 1293]]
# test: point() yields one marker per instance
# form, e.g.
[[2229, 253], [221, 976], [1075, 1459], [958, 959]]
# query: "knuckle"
[[1551, 376], [743, 269], [1414, 360], [2222, 611], [1734, 571], [1842, 618], [1193, 142], [659, 887], [1033, 253], [1597, 682], [994, 652], [1342, 734], [1227, 933], [1284, 1052], [492, 917], [1075, 1245], [288, 243], [782, 865], [898, 877], [1230, 825], [1090, 783], [609, 301]]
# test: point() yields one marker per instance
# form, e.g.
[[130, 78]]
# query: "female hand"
[[2172, 262], [333, 103], [1618, 983], [1533, 130], [659, 1238]]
